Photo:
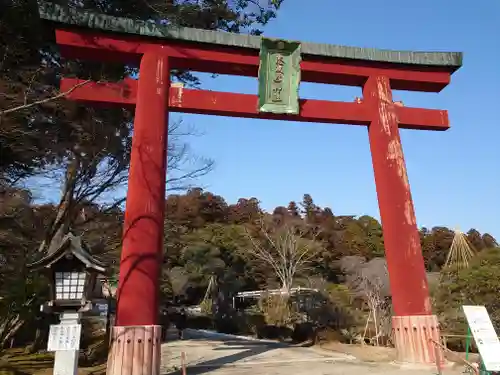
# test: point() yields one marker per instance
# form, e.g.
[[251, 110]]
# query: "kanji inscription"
[[279, 76]]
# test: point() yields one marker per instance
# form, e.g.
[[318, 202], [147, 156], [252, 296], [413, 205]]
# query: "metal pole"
[[183, 363], [467, 344]]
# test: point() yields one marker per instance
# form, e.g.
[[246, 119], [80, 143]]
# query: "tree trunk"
[[107, 336], [62, 222], [39, 335], [9, 328], [366, 326]]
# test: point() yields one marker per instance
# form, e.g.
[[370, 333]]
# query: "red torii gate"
[[157, 50]]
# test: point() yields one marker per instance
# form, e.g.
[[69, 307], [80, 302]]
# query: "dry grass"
[[365, 353], [17, 362], [368, 353]]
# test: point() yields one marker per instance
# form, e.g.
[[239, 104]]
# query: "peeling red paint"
[[395, 154], [386, 113], [413, 323], [175, 100], [410, 212], [405, 263]]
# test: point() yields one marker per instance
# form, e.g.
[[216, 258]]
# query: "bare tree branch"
[[371, 286], [286, 250], [46, 100]]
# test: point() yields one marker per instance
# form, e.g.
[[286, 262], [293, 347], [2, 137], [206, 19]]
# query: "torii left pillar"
[[136, 336]]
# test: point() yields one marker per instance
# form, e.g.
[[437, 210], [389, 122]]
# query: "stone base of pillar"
[[135, 351], [413, 338]]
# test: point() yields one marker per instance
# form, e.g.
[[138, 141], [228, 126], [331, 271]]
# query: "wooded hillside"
[[86, 151], [243, 248]]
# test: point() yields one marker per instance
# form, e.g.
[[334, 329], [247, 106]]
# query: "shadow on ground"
[[245, 350]]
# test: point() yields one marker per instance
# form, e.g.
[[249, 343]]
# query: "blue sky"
[[454, 175]]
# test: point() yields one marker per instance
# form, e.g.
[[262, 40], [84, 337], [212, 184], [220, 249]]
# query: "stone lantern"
[[73, 273]]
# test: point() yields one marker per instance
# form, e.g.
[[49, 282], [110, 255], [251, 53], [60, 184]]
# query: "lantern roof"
[[75, 246]]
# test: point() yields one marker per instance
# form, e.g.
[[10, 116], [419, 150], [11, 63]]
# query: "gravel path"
[[221, 356]]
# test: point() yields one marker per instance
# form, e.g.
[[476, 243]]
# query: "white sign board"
[[64, 337], [102, 309], [484, 335]]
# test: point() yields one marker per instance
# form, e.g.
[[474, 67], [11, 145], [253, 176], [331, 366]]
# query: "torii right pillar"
[[414, 325]]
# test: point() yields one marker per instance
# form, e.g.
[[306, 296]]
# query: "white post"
[[67, 343]]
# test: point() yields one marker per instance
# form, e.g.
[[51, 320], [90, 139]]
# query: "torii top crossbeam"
[[90, 36], [210, 40]]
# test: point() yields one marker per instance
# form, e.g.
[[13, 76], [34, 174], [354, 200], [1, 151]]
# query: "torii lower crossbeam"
[[124, 94]]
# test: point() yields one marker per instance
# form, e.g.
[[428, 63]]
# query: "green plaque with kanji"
[[279, 76]]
